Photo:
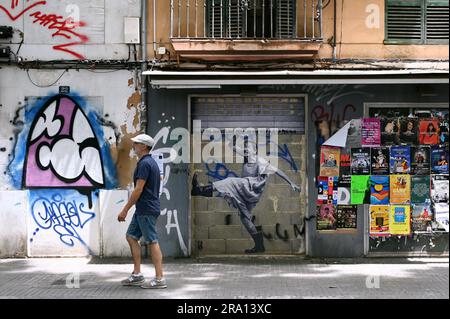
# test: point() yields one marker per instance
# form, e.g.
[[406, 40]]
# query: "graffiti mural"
[[65, 214], [62, 148], [62, 158], [65, 28]]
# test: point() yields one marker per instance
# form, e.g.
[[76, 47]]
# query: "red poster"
[[429, 132]]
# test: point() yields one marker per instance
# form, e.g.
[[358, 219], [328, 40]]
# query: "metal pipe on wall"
[[143, 110]]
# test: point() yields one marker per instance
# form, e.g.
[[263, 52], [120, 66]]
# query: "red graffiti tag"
[[60, 26], [64, 28], [15, 4]]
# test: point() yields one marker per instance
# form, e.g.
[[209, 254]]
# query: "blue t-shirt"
[[148, 170]]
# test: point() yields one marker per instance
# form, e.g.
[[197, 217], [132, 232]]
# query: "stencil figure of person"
[[243, 193]]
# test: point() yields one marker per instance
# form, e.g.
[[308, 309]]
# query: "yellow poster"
[[400, 220], [400, 189], [379, 220]]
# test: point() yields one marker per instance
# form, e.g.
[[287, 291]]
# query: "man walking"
[[147, 181]]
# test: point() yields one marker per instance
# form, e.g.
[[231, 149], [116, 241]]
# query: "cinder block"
[[238, 246], [289, 205], [199, 203], [201, 232], [298, 246], [225, 232], [210, 247], [219, 204], [209, 218], [274, 218], [278, 246]]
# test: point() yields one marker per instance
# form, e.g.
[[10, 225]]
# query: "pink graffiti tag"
[[60, 26]]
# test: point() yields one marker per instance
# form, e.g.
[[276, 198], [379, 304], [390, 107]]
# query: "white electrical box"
[[162, 50], [132, 30]]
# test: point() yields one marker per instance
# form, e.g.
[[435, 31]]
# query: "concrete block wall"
[[217, 228]]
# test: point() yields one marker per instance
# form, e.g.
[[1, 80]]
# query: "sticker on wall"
[[329, 161], [326, 217], [439, 160], [400, 189], [361, 161], [347, 217], [429, 132], [422, 218], [380, 160], [389, 131], [379, 190], [409, 129], [439, 188], [344, 187], [371, 132], [360, 189], [400, 220], [441, 211], [420, 189], [420, 160], [379, 220], [400, 160]]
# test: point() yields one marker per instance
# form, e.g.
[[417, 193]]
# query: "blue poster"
[[400, 162]]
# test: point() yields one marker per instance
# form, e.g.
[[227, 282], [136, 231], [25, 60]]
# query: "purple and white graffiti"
[[62, 149]]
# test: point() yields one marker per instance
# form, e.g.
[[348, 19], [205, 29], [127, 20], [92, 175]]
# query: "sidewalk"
[[230, 278]]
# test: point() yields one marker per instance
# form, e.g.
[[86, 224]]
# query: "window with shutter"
[[417, 22], [251, 19]]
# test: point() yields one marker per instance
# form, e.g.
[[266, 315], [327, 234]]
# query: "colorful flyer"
[[326, 217], [360, 189], [400, 162], [327, 190], [379, 220], [322, 196], [439, 188], [400, 189], [409, 131], [344, 186], [361, 161], [330, 158], [420, 160], [439, 160], [400, 220], [379, 160], [379, 190], [441, 211], [429, 132], [422, 218], [371, 132], [420, 189], [346, 162], [347, 217], [389, 131]]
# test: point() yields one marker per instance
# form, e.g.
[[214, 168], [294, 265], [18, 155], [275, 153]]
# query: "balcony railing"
[[246, 19]]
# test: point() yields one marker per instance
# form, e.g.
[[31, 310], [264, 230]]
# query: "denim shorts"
[[143, 226]]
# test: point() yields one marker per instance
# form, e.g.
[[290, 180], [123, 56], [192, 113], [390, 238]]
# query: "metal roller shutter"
[[283, 113]]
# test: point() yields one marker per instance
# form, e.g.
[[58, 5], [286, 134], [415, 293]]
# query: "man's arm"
[[140, 183]]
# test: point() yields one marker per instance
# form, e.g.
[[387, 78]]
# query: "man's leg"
[[157, 258], [136, 253]]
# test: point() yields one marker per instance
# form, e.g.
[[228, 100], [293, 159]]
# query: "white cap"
[[144, 139]]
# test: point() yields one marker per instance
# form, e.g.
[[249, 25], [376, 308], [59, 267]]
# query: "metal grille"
[[405, 21], [283, 113], [437, 22], [417, 21]]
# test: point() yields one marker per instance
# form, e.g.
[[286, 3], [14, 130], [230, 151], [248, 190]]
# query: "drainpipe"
[[143, 66], [334, 30]]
